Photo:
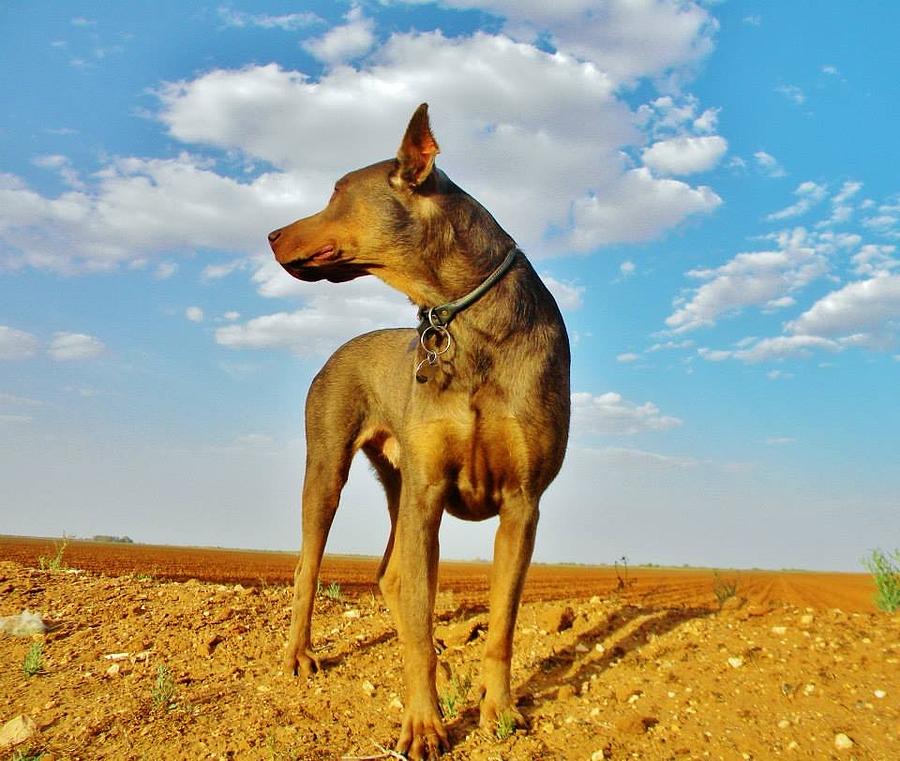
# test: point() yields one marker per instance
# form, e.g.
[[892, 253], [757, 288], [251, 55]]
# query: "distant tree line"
[[105, 538]]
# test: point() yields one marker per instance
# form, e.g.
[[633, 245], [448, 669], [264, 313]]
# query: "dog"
[[468, 413]]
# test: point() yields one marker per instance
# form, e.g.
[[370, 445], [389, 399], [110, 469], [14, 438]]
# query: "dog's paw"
[[500, 718], [301, 663], [422, 735]]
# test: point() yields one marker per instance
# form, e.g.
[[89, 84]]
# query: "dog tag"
[[426, 369]]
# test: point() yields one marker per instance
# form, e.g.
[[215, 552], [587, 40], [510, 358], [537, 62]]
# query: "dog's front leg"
[[410, 584], [513, 546]]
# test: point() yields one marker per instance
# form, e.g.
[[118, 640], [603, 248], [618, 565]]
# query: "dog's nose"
[[274, 235]]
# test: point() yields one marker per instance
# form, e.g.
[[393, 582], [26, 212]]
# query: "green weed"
[[723, 589], [34, 660], [885, 570], [506, 725], [163, 692], [56, 562]]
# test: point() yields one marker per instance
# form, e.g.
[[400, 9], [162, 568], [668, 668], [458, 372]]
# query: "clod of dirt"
[[557, 619]]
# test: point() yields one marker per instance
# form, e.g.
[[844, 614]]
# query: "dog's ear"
[[415, 158]]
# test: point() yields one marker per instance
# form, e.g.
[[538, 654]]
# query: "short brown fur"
[[484, 436]]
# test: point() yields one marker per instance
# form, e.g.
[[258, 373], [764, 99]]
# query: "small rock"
[[784, 724], [113, 670], [17, 731], [582, 648], [352, 613], [807, 619], [793, 745], [396, 704], [842, 742], [595, 600], [735, 662], [213, 642], [880, 694], [368, 688], [779, 630], [599, 648]]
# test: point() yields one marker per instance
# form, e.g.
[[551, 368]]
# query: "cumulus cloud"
[[637, 207], [324, 322], [610, 414], [768, 164], [139, 207], [772, 349], [753, 278], [685, 155], [17, 344], [809, 194], [568, 295], [626, 39], [793, 93], [874, 259], [66, 347], [194, 314], [346, 42], [859, 309]]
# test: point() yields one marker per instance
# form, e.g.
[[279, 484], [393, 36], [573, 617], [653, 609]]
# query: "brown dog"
[[469, 416]]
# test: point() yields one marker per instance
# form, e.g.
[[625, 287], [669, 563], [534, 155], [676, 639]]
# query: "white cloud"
[[344, 43], [768, 164], [610, 414], [568, 295], [140, 207], [809, 193], [626, 39], [625, 457], [685, 155], [218, 271], [527, 132], [16, 344], [637, 208], [627, 268], [541, 138], [330, 316], [194, 314], [779, 441], [288, 22], [754, 278], [832, 71], [232, 315], [74, 346], [772, 349], [628, 357], [869, 307], [792, 93], [873, 259], [165, 270]]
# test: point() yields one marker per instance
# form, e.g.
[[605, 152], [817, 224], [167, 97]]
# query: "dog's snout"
[[274, 235]]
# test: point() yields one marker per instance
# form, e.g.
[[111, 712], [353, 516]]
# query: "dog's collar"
[[440, 316]]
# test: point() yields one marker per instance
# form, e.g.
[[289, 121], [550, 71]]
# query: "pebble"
[[598, 755], [842, 742], [735, 662], [784, 724], [581, 648], [368, 688], [880, 694], [806, 619], [396, 704], [779, 630], [352, 613], [599, 648]]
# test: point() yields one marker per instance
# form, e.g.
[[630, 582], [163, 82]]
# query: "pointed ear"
[[417, 151]]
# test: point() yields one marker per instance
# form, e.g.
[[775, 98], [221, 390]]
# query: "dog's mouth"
[[326, 263]]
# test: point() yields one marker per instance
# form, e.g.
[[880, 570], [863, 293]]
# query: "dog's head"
[[375, 220]]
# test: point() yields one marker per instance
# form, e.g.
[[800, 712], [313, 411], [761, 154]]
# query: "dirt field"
[[795, 665]]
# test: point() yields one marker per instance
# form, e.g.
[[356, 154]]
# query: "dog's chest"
[[479, 458]]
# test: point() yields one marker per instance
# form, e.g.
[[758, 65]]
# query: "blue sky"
[[710, 189]]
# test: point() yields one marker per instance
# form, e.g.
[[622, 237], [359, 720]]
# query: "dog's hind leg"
[[321, 492], [513, 546], [331, 428]]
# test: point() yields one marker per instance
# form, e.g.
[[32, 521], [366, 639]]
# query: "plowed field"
[[607, 665]]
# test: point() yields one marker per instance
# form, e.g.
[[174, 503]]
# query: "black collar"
[[440, 316]]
